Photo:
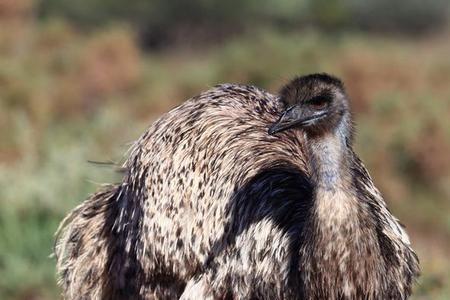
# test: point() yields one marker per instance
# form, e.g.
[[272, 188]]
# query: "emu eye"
[[319, 103]]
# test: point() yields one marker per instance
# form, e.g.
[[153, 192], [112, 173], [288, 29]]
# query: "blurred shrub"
[[410, 16], [430, 152], [163, 22], [16, 15], [36, 194], [107, 64], [10, 9]]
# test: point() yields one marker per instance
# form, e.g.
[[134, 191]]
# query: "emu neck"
[[329, 161], [344, 256]]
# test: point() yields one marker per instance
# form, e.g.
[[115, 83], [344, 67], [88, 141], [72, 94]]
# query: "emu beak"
[[288, 119], [294, 116]]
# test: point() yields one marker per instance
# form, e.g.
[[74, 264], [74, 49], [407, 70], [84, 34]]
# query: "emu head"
[[317, 103]]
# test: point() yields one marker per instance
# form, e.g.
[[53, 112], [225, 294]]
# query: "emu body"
[[212, 206]]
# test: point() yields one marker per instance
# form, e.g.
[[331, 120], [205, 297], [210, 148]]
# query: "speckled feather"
[[213, 207]]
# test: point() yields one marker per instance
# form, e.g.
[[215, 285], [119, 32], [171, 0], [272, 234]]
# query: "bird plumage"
[[214, 206]]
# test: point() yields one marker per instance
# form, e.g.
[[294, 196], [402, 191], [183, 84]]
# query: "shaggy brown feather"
[[211, 206]]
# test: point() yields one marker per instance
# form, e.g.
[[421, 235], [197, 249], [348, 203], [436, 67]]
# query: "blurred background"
[[81, 79]]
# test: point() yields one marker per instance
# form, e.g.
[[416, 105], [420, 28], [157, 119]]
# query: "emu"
[[241, 194]]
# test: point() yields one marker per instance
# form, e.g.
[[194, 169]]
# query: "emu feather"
[[211, 206]]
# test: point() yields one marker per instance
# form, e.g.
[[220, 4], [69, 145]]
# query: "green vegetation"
[[68, 96]]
